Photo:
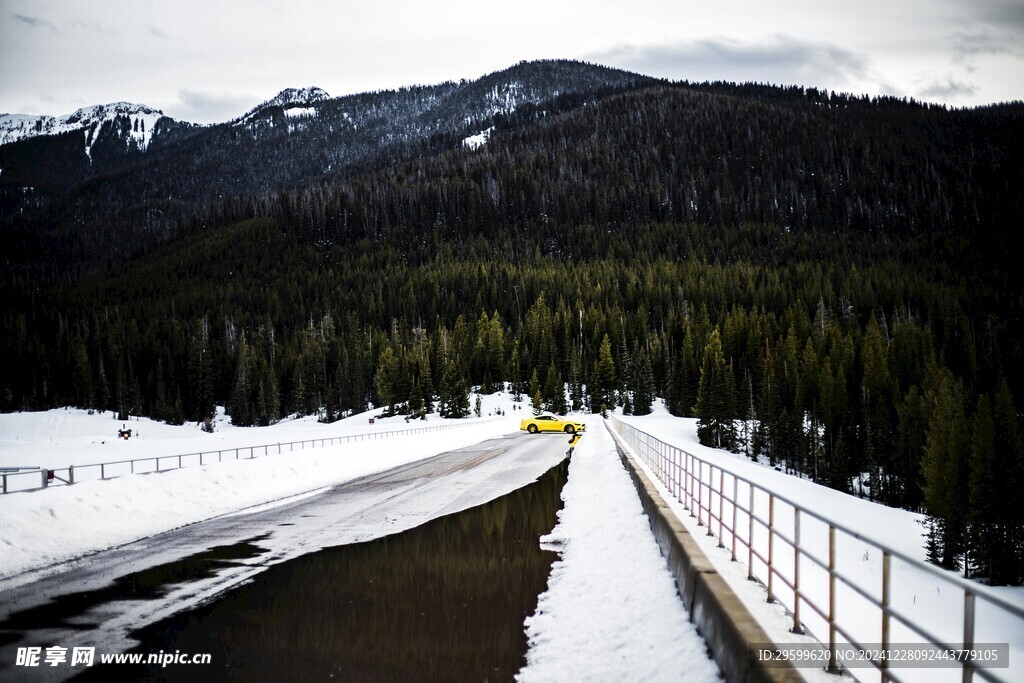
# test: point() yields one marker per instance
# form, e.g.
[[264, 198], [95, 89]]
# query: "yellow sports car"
[[551, 423]]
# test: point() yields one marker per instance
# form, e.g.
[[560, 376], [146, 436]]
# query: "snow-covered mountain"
[[141, 122], [289, 99], [127, 158]]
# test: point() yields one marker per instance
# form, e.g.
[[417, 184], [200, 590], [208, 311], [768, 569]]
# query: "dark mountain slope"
[[128, 204], [675, 154]]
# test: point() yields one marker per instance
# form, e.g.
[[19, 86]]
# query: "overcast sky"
[[208, 60]]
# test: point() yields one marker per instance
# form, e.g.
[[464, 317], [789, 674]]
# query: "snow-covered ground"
[[70, 436], [611, 611], [935, 604], [42, 528]]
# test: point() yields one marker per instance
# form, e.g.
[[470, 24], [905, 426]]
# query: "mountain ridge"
[[143, 118], [748, 152], [286, 99], [186, 166]]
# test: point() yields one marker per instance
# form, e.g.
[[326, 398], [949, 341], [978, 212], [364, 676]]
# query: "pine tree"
[[241, 406], [513, 373], [415, 402], [750, 447], [984, 532], [427, 387], [1008, 552], [553, 394], [714, 401], [550, 388], [875, 399], [261, 410], [809, 400], [268, 399], [81, 378], [944, 460], [495, 358], [387, 380], [454, 397], [604, 389], [770, 405], [626, 376], [911, 438], [103, 388], [576, 401], [643, 394], [536, 397], [687, 373], [201, 374]]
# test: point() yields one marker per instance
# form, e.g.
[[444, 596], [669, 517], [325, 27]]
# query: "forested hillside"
[[69, 214], [826, 281]]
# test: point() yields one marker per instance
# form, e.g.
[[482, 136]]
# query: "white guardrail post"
[[680, 484]]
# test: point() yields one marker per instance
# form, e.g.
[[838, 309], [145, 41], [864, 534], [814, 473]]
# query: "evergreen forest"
[[828, 282]]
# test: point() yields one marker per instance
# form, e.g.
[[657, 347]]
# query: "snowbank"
[[611, 611]]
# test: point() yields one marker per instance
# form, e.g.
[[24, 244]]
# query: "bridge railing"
[[37, 479], [804, 560]]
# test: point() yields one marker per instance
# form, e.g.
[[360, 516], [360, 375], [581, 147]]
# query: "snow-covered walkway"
[[611, 611], [916, 593]]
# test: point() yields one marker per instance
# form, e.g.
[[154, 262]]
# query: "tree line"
[[826, 283], [840, 372]]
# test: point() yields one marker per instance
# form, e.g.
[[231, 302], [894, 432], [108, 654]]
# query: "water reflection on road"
[[443, 601]]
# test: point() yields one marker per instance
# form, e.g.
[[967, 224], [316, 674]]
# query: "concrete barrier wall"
[[727, 626]]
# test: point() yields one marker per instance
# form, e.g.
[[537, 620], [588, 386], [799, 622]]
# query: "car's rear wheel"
[[569, 429], [532, 429]]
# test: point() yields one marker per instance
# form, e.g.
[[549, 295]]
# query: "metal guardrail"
[[165, 463], [732, 507]]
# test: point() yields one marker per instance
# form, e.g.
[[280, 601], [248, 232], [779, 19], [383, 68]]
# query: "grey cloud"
[[1001, 12], [92, 26], [783, 60], [209, 107], [990, 27], [155, 32], [967, 45], [34, 22], [949, 90]]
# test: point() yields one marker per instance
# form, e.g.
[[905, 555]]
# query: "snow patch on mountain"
[[474, 141], [141, 123], [299, 112], [298, 96], [294, 101]]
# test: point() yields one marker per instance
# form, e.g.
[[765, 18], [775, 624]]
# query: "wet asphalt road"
[[98, 600]]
